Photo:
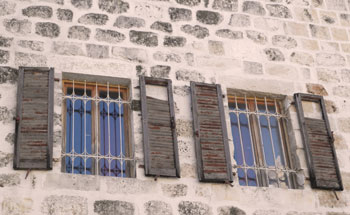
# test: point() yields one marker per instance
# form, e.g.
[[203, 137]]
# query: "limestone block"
[[47, 29], [226, 5], [171, 41], [113, 6], [79, 33], [326, 59], [109, 36], [107, 207], [302, 58], [230, 210], [160, 71], [252, 67], [16, 206], [316, 89], [190, 3], [129, 22], [157, 208], [209, 17], [274, 54], [7, 8], [194, 208], [143, 38], [277, 10], [284, 41], [180, 14], [196, 31], [174, 190], [4, 56], [44, 12], [93, 19], [216, 47], [162, 26], [64, 15], [69, 205], [17, 26], [130, 54], [67, 48], [229, 34], [167, 57], [26, 59], [97, 51], [320, 32], [253, 7], [186, 75], [11, 179], [256, 37], [239, 20], [82, 4]]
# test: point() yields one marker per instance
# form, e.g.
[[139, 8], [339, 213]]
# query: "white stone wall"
[[271, 46]]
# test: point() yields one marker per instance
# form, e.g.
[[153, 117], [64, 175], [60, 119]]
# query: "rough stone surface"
[[167, 57], [7, 8], [97, 51], [157, 208], [70, 205], [284, 41], [72, 182], [266, 212], [113, 6], [336, 4], [130, 186], [16, 206], [180, 14], [327, 75], [64, 14], [239, 20], [162, 26], [26, 59], [47, 29], [316, 89], [8, 75], [257, 37], [252, 67], [44, 12], [17, 26], [174, 190], [320, 32], [189, 57], [4, 56], [141, 70], [216, 47], [302, 58], [67, 48], [79, 33], [5, 41], [129, 22], [197, 31], [209, 17], [160, 71], [130, 54], [106, 207], [10, 138], [109, 36], [226, 5], [181, 90], [5, 159], [342, 91], [229, 34], [148, 39], [326, 59], [274, 54], [194, 208], [230, 210], [9, 180], [82, 4], [6, 115], [185, 75], [170, 41], [277, 10], [190, 3], [254, 7], [93, 19]]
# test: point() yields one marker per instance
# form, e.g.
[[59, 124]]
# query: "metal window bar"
[[96, 156], [286, 169]]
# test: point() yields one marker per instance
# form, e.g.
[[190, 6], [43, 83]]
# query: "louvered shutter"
[[210, 133], [159, 131], [319, 148], [34, 119]]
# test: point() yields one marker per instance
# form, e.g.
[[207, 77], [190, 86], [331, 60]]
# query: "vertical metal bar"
[[251, 139], [108, 131], [85, 153], [271, 139], [97, 126], [120, 132], [241, 142], [73, 151]]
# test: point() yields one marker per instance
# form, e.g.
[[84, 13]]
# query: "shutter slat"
[[212, 151], [319, 148], [34, 127], [159, 134]]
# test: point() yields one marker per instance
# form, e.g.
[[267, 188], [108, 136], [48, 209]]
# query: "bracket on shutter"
[[34, 127], [210, 133], [319, 147], [159, 131]]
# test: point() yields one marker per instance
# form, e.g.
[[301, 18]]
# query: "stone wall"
[[271, 46]]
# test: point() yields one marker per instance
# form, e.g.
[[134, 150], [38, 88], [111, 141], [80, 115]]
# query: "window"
[[96, 129], [261, 152]]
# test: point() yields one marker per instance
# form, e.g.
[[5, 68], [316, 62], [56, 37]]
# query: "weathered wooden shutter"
[[34, 119], [159, 131], [211, 142], [319, 148]]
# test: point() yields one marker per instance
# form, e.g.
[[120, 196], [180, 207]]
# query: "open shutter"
[[34, 119], [210, 133], [159, 130], [319, 148]]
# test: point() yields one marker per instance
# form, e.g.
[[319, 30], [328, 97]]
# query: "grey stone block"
[[93, 19], [5, 41], [274, 54], [130, 54], [157, 208], [9, 180], [253, 7], [44, 12], [194, 208], [230, 210], [97, 51], [172, 41], [64, 15], [239, 20], [22, 27], [257, 37], [186, 75], [4, 56], [190, 3], [26, 59], [7, 8], [327, 59], [302, 58], [277, 10], [8, 75], [197, 31], [5, 158], [160, 71], [284, 41], [209, 17], [47, 29], [167, 57], [226, 5], [162, 26], [109, 36], [229, 34], [67, 48], [320, 32], [180, 14], [82, 4], [143, 38], [253, 67], [69, 205], [107, 207], [79, 32], [129, 22], [174, 190], [113, 6]]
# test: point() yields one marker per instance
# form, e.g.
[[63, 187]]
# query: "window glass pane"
[[69, 125], [238, 156], [241, 177], [251, 177], [116, 120], [88, 127], [277, 142], [79, 165], [104, 134], [267, 146], [247, 145], [112, 94]]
